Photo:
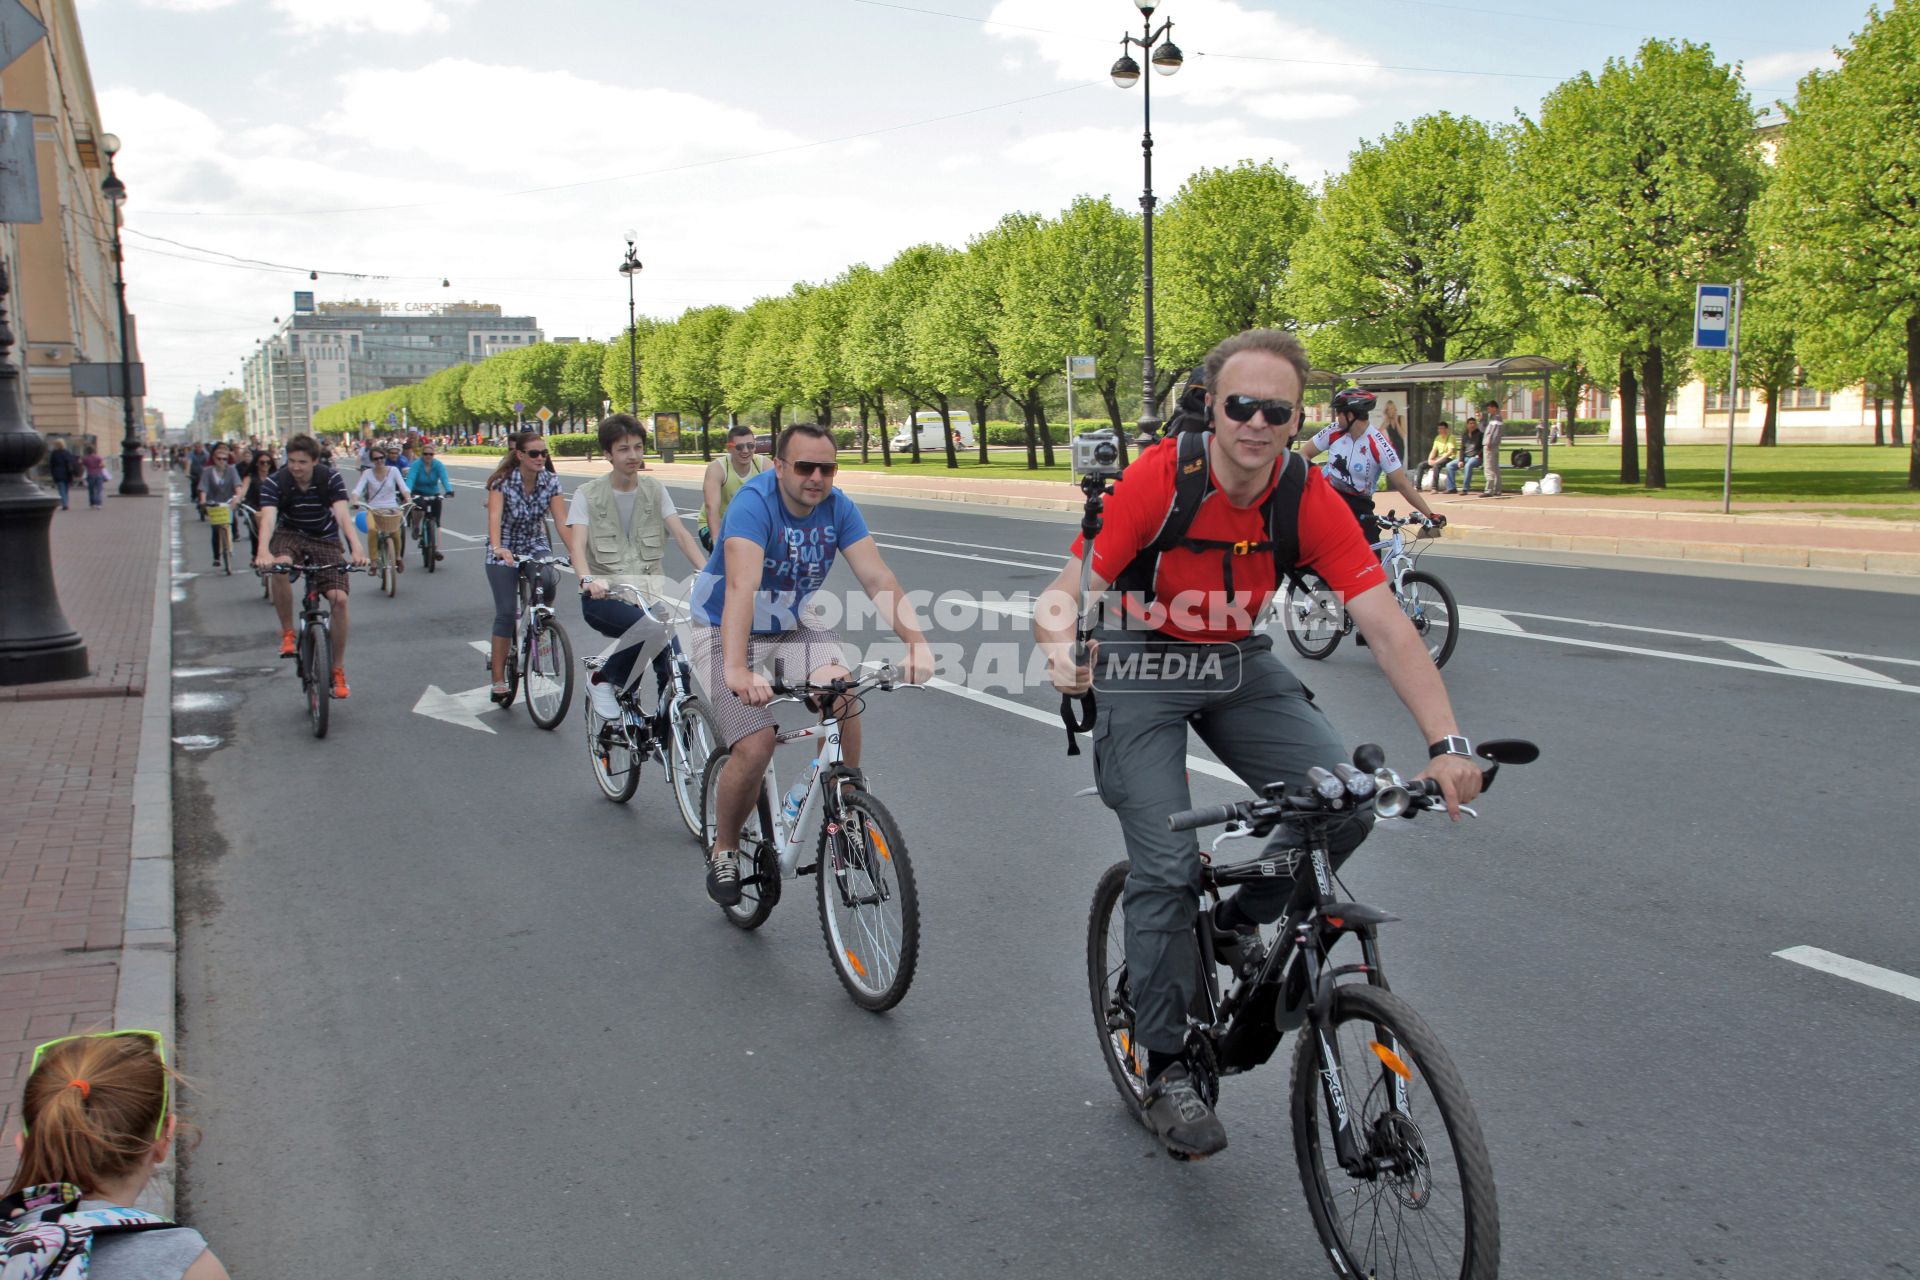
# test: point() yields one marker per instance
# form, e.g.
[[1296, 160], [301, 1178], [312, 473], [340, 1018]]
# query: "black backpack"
[[1192, 482]]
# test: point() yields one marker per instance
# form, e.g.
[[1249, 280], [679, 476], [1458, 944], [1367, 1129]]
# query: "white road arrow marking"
[[1474, 619], [464, 537], [1811, 661], [1868, 975], [464, 708]]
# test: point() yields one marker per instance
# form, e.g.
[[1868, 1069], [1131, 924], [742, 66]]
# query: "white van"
[[928, 422]]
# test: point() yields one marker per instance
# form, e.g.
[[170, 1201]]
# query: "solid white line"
[[958, 555], [1194, 763], [1867, 975], [1700, 635], [978, 546], [1762, 668]]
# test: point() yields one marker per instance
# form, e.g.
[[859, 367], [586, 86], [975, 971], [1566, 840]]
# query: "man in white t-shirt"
[[1357, 456], [618, 526]]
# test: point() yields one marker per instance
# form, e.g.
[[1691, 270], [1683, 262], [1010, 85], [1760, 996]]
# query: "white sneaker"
[[606, 704]]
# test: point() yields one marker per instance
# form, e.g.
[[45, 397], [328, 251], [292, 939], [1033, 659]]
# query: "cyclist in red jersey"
[[1184, 652]]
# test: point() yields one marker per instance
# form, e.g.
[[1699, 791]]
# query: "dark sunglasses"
[[744, 444], [1278, 413], [805, 469], [535, 453]]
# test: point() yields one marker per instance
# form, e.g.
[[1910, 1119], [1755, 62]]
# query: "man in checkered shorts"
[[303, 512], [782, 533]]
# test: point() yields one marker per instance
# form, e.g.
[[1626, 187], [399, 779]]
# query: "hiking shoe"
[[1240, 949], [286, 644], [439, 555], [723, 879], [606, 703], [340, 689], [1175, 1113]]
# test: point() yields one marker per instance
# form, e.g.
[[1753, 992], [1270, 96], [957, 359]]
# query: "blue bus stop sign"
[[1713, 317]]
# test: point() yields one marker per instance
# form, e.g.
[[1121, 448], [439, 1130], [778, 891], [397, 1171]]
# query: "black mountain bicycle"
[[426, 528], [1396, 1171], [313, 641]]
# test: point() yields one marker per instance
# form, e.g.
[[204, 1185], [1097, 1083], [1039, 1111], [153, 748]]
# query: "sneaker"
[[1176, 1114], [439, 555], [606, 703], [399, 564], [1239, 949], [286, 644], [340, 689], [723, 879]]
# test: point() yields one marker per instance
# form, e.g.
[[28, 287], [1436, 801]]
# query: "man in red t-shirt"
[[1255, 715]]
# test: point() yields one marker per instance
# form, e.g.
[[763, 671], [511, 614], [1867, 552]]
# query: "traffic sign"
[[1712, 313], [1080, 367], [545, 413], [518, 406]]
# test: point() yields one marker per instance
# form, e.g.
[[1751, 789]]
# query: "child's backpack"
[[46, 1235]]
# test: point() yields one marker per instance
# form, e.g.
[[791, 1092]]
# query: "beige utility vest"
[[611, 551]]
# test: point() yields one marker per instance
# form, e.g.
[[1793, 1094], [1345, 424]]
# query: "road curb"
[[146, 992]]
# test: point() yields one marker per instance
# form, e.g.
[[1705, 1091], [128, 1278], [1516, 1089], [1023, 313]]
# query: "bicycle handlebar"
[[305, 566], [1328, 795]]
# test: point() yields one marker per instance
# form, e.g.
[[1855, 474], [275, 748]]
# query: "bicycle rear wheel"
[[869, 907], [1312, 617], [692, 738], [759, 868], [389, 566], [616, 765], [316, 673], [1429, 605], [549, 673], [1430, 1210], [1125, 1057]]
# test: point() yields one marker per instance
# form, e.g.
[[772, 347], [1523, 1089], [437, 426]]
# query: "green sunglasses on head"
[[153, 1039]]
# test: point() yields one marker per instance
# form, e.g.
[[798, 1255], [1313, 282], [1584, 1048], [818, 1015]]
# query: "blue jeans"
[[60, 487], [617, 618], [1466, 467]]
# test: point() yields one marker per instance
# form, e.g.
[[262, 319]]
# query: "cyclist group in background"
[[769, 531]]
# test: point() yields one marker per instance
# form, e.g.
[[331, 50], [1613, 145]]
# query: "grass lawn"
[[1830, 477], [1836, 479]]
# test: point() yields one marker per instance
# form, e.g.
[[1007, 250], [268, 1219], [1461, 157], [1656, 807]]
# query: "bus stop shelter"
[[1499, 371]]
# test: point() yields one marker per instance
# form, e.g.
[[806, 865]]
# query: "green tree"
[[1223, 249], [229, 414], [1391, 267], [581, 392], [617, 374], [881, 355], [1090, 256], [819, 377], [952, 337], [533, 378], [1844, 206], [694, 365], [1633, 187], [1031, 349], [756, 359]]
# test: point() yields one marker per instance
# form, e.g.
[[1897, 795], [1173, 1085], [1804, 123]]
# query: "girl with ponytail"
[[96, 1122]]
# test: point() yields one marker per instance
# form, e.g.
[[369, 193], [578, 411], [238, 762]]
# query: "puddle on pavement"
[[198, 742], [188, 703], [178, 595], [200, 673]]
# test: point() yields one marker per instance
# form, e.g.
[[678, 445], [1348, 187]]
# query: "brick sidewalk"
[[68, 756]]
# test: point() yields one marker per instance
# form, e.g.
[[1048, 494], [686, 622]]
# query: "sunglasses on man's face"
[[154, 1041], [806, 469], [745, 446], [1242, 408]]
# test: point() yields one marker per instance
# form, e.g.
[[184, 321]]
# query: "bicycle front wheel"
[[226, 552], [1429, 606], [1428, 1209], [549, 673], [759, 867], [869, 907], [692, 738], [616, 765], [429, 543], [317, 673], [1125, 1057], [1312, 616]]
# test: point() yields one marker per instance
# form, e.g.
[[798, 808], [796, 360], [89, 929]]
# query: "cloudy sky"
[[507, 147]]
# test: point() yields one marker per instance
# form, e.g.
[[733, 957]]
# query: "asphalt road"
[[450, 1013]]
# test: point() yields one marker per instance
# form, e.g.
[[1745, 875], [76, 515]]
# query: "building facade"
[[337, 350], [63, 304]]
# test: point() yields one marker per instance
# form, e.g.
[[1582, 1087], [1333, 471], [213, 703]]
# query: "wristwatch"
[[584, 580], [1451, 745]]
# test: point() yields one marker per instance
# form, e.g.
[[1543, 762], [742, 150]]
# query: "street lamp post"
[[630, 268], [1166, 58], [131, 480]]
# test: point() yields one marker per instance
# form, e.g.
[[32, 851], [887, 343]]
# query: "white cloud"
[[188, 6], [388, 17], [1103, 159], [579, 129], [1771, 69]]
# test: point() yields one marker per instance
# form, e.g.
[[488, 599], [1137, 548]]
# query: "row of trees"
[[1578, 235]]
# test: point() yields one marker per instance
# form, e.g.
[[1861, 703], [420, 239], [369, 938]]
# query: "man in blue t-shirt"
[[782, 533]]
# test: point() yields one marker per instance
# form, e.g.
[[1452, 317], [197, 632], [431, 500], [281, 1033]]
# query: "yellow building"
[[63, 303]]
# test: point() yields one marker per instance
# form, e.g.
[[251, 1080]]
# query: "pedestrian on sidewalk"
[[1492, 430], [96, 468], [63, 468], [219, 482], [96, 1118]]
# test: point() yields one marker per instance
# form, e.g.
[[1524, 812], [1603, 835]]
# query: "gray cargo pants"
[[1262, 723]]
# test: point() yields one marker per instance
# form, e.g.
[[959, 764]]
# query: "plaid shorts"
[[787, 656], [322, 551]]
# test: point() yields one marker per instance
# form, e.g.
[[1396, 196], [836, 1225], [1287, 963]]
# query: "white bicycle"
[[869, 908]]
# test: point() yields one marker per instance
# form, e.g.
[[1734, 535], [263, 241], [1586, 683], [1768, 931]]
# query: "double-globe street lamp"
[[630, 267], [131, 480], [1166, 58]]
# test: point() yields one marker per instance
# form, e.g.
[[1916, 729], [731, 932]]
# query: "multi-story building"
[[321, 355], [63, 306], [205, 407]]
